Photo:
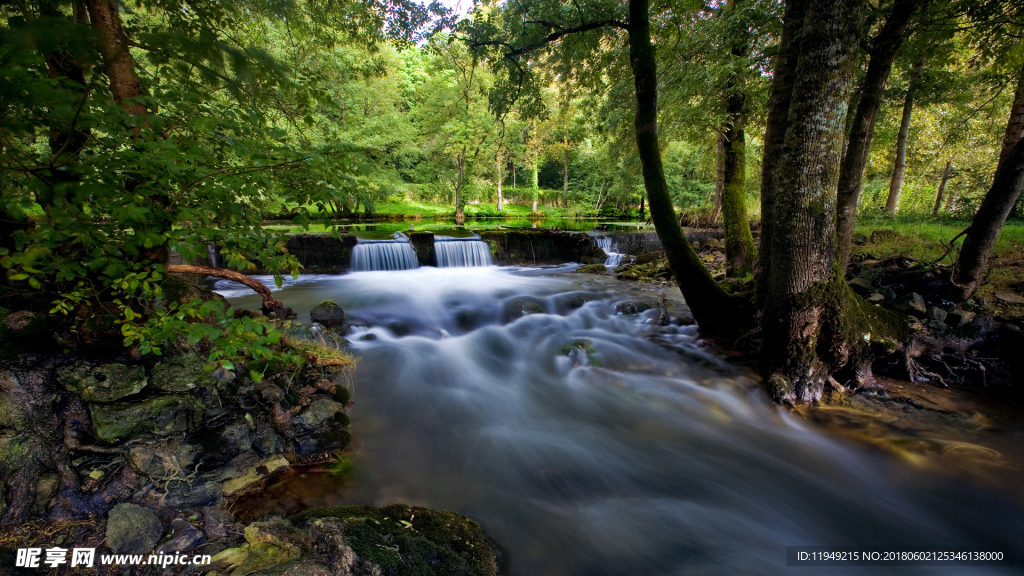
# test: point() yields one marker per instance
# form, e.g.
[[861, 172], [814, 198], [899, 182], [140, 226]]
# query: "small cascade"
[[385, 255], [451, 253], [614, 258], [211, 250]]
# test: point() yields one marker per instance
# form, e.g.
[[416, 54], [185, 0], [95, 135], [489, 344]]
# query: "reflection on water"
[[589, 442]]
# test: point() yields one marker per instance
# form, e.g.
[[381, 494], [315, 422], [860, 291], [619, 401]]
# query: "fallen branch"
[[270, 304]]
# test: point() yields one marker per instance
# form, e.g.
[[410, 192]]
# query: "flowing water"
[[588, 442], [383, 255], [607, 244], [452, 253]]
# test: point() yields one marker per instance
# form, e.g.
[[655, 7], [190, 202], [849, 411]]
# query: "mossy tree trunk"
[[710, 305], [900, 167], [882, 53], [969, 270], [806, 300], [739, 243]]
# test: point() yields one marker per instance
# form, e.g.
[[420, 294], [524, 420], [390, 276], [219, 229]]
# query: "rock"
[[182, 495], [321, 427], [862, 286], [937, 325], [1009, 297], [937, 314], [216, 522], [17, 321], [860, 239], [328, 540], [103, 383], [876, 298], [521, 306], [631, 308], [184, 537], [46, 489], [712, 244], [180, 374], [959, 317], [254, 474], [889, 293], [162, 460], [161, 416], [648, 257], [132, 529], [884, 234], [914, 304], [593, 269], [328, 314]]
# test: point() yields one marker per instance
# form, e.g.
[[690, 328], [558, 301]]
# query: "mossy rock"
[[328, 314], [632, 308], [180, 373], [161, 416], [103, 383], [521, 306], [405, 540]]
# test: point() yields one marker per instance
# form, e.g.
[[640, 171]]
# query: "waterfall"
[[211, 250], [614, 258], [462, 253], [383, 256]]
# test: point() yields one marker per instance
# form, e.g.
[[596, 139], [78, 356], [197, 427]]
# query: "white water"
[[462, 253], [644, 455], [614, 258], [383, 256]]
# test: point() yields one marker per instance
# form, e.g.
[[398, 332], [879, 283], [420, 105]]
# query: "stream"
[[588, 441]]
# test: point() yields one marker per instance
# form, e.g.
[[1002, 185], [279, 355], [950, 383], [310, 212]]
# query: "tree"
[[900, 167]]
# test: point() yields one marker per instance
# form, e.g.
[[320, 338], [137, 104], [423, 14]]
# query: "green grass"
[[923, 238]]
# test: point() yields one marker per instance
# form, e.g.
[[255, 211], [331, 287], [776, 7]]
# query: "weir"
[[459, 253], [383, 255], [614, 258]]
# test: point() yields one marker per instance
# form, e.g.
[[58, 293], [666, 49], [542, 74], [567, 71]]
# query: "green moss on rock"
[[161, 416], [103, 383]]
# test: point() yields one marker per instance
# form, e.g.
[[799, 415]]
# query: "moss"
[[321, 354], [162, 415], [409, 540]]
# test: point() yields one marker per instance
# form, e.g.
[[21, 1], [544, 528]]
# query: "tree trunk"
[[117, 59], [710, 305], [942, 187], [642, 198], [851, 172], [270, 304], [739, 244], [801, 343], [969, 270], [783, 80], [716, 210], [565, 169], [900, 167], [460, 163], [497, 163]]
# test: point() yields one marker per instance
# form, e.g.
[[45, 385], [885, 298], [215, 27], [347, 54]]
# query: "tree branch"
[[270, 304]]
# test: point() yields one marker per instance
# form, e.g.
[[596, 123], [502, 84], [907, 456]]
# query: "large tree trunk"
[[969, 270], [783, 80], [739, 243], [801, 343], [900, 166], [851, 173], [710, 305], [942, 187], [117, 58]]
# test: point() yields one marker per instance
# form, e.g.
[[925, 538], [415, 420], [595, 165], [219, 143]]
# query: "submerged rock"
[[321, 427], [593, 269], [521, 306], [132, 529], [103, 383], [328, 314]]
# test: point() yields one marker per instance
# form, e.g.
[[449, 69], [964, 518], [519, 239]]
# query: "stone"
[[327, 533], [328, 314], [103, 383], [132, 529], [914, 304], [860, 239], [889, 293], [876, 298], [959, 317], [937, 314], [521, 306], [862, 286], [182, 495], [46, 488], [162, 415], [937, 325], [321, 427], [180, 373], [184, 537], [254, 474], [631, 308], [17, 321], [1009, 297], [712, 244], [216, 522], [593, 269]]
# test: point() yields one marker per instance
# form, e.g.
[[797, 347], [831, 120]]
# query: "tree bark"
[[270, 304], [900, 166], [710, 305], [969, 271], [851, 173], [460, 163], [117, 58], [739, 243], [783, 80], [716, 210], [942, 187], [497, 163], [801, 346]]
